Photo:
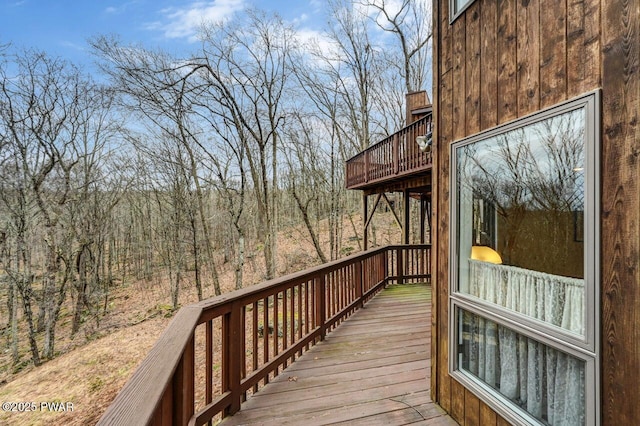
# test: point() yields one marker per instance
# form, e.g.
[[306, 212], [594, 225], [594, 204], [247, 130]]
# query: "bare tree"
[[47, 107], [157, 88], [229, 169], [97, 184], [245, 66], [306, 178], [410, 22], [346, 78]]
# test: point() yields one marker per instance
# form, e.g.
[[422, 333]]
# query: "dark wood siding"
[[505, 59], [620, 29]]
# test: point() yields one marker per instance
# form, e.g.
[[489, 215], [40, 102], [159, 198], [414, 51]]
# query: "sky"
[[62, 27]]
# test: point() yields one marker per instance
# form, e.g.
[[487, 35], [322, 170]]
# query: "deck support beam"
[[365, 217], [405, 226]]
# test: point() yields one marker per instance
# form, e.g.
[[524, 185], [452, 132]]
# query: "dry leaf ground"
[[90, 371]]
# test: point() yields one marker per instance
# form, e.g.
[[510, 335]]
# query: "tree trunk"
[[49, 301], [305, 217], [196, 255], [81, 286], [26, 293], [13, 322], [240, 260]]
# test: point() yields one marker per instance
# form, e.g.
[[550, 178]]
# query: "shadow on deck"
[[373, 369]]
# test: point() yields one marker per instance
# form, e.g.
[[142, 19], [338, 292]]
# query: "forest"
[[174, 170]]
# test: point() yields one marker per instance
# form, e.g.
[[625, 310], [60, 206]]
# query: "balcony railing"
[[217, 352], [395, 156]]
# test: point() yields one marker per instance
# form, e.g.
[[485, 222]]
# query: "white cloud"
[[318, 4], [113, 10], [72, 45], [184, 22], [300, 19], [310, 36]]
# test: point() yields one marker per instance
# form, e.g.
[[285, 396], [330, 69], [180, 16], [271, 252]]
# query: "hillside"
[[95, 366]]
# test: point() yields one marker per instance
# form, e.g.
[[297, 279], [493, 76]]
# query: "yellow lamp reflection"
[[486, 254]]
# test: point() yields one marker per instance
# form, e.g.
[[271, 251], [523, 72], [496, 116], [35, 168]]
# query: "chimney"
[[418, 105]]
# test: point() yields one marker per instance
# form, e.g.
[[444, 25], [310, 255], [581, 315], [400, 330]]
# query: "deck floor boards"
[[373, 369]]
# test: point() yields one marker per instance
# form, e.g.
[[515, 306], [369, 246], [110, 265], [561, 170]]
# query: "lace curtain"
[[547, 383]]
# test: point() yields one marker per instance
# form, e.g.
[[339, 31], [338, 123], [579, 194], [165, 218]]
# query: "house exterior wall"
[[505, 59]]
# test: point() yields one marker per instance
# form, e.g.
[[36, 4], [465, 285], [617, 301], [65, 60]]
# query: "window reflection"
[[521, 195]]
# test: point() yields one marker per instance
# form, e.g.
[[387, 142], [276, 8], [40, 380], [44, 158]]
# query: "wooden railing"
[[395, 156], [215, 353]]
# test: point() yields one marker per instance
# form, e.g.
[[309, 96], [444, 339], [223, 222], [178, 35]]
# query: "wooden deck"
[[374, 369]]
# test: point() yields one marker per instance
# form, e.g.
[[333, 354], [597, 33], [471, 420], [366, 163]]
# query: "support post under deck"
[[365, 218]]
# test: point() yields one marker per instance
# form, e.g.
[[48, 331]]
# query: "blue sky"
[[62, 27]]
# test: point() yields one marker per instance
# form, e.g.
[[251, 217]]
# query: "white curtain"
[[551, 298], [547, 383]]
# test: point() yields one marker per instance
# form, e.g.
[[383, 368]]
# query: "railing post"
[[320, 304], [385, 267], [232, 357], [429, 264], [183, 386], [359, 283], [406, 198], [400, 264]]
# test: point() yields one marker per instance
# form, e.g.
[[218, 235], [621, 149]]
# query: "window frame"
[[453, 13], [585, 347]]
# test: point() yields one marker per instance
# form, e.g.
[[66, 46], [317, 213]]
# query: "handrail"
[[394, 156], [237, 342]]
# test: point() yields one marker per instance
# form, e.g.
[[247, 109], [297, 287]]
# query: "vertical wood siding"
[[620, 41], [504, 59]]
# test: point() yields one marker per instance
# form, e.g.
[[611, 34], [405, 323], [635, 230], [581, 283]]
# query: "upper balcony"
[[394, 158]]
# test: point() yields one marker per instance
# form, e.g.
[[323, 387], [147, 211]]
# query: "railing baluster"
[[276, 325], [243, 347], [254, 338], [292, 323], [308, 303], [285, 324], [265, 335], [319, 303], [396, 154], [209, 361], [366, 166], [301, 318], [340, 290]]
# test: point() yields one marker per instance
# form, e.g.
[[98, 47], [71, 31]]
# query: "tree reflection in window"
[[524, 187]]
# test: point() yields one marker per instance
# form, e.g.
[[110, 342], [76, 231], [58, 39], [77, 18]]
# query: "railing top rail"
[[257, 292], [136, 402], [416, 123]]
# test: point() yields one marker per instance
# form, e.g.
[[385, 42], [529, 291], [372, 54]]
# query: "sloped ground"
[[94, 367], [88, 378]]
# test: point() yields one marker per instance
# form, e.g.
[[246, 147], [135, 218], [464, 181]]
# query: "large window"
[[524, 265]]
